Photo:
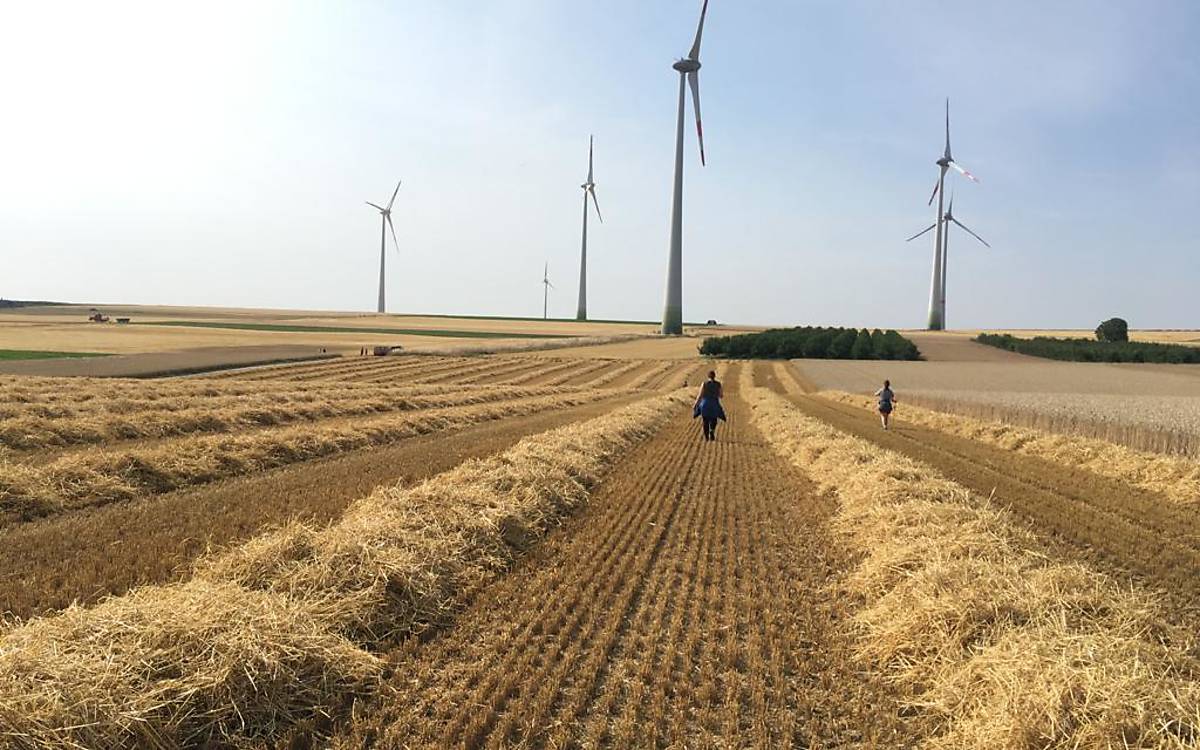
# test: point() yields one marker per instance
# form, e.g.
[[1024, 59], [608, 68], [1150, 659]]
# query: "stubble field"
[[535, 549]]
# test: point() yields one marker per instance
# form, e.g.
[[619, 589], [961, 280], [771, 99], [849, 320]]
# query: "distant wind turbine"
[[546, 287], [589, 188], [385, 224], [937, 307], [947, 219], [689, 74]]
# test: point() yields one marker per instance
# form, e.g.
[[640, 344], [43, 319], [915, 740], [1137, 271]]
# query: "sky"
[[220, 153]]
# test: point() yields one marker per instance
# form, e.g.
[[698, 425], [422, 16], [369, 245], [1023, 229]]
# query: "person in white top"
[[887, 401]]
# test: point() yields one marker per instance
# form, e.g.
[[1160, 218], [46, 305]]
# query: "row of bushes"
[[1087, 350], [812, 342]]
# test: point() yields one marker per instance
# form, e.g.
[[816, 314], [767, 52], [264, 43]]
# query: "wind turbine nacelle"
[[686, 66]]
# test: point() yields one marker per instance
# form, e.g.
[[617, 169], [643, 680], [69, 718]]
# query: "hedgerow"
[[1087, 350], [812, 342]]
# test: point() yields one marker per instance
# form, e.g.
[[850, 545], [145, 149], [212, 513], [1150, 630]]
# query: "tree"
[[862, 348], [841, 345], [1113, 329]]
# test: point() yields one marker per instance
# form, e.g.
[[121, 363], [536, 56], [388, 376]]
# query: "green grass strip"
[[11, 354]]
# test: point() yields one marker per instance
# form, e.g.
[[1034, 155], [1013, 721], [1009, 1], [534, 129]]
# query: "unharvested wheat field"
[[535, 549]]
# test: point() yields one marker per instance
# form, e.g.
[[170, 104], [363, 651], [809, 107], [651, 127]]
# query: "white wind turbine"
[[589, 188], [937, 287], [947, 219], [688, 68], [385, 224], [546, 287]]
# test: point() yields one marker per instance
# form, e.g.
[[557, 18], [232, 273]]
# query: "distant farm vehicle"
[[98, 317], [122, 321], [383, 351], [711, 322]]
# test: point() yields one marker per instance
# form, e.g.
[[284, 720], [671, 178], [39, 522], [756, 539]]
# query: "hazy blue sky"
[[220, 153]]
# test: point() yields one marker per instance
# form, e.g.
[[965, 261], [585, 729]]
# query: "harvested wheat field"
[[536, 550]]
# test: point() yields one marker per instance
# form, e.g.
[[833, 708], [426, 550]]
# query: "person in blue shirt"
[[708, 405]]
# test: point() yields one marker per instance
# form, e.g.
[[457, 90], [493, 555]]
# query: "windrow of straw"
[[202, 415], [997, 645], [651, 377], [1171, 476], [608, 377], [98, 476], [278, 631], [370, 370], [80, 395]]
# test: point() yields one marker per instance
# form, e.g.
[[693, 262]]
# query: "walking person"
[[887, 401], [708, 405]]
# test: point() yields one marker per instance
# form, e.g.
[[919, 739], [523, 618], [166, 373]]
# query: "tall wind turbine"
[[385, 224], [689, 74], [937, 310], [947, 220], [546, 287], [589, 188]]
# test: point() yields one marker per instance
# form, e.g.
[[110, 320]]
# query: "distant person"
[[708, 405], [887, 401]]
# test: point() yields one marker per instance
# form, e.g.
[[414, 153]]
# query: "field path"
[[691, 604], [1080, 514], [86, 554], [938, 346]]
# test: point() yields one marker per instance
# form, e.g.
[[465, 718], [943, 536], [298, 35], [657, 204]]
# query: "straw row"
[[1171, 476], [996, 645], [77, 395], [202, 415], [99, 476], [275, 633]]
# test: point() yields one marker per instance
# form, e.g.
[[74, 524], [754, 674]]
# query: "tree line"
[[1087, 350], [812, 342]]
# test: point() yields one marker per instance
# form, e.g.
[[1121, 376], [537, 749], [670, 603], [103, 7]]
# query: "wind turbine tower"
[[546, 287], [689, 75], [385, 225], [589, 188], [937, 288], [947, 219]]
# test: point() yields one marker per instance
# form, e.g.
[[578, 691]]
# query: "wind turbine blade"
[[372, 205], [694, 81], [589, 179], [395, 241], [968, 231], [964, 172], [947, 128], [694, 54], [394, 192], [933, 195], [597, 205], [923, 231]]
